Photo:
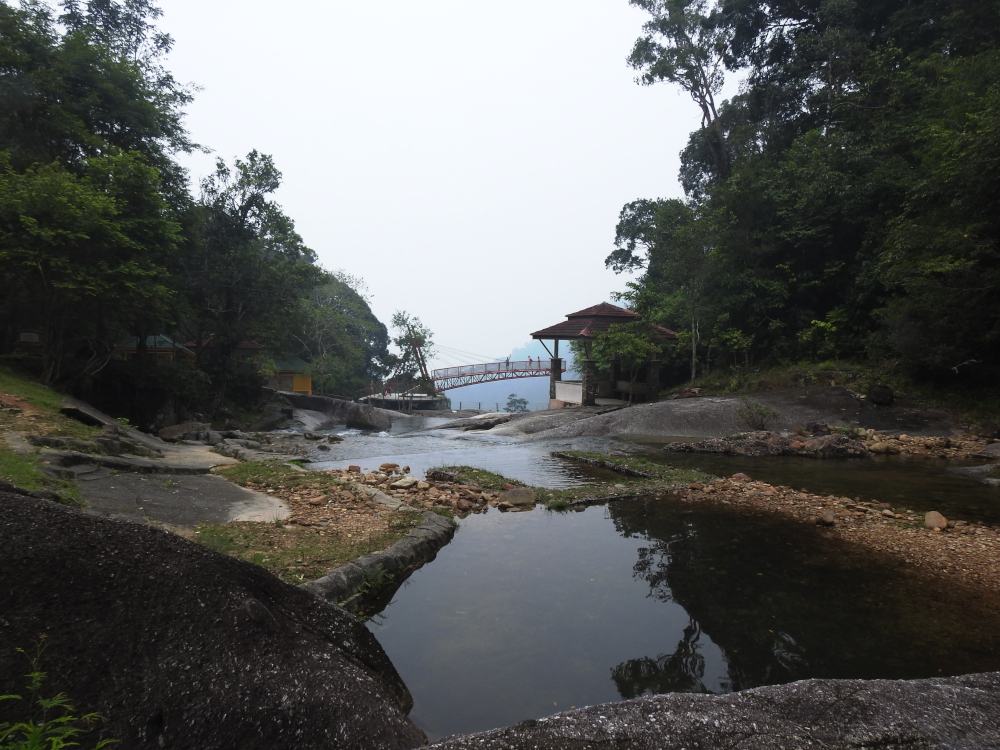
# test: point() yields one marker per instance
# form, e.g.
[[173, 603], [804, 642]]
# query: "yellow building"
[[293, 375]]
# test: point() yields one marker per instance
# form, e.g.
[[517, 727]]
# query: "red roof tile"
[[604, 310], [585, 323]]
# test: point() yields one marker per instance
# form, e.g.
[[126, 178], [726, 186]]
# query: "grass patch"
[[268, 475], [638, 464], [45, 402], [41, 417], [293, 552], [488, 480], [633, 476], [296, 555], [657, 478], [25, 471]]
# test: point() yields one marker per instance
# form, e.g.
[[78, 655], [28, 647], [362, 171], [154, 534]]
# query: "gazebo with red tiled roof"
[[582, 326]]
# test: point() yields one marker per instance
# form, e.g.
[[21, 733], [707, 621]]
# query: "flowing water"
[[527, 614]]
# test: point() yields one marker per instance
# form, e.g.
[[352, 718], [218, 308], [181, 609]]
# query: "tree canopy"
[[854, 213], [101, 240]]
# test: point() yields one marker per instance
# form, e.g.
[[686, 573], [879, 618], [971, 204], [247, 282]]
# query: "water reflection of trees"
[[739, 613], [683, 671]]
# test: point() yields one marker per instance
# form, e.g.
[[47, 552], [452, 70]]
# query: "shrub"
[[754, 414], [52, 723]]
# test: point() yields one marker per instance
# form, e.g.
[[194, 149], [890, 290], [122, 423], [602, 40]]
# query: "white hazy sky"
[[467, 159]]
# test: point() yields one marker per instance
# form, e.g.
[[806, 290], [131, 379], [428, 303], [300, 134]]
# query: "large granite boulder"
[[354, 415], [956, 712], [365, 417], [182, 647]]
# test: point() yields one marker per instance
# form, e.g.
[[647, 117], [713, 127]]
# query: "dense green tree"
[[245, 271], [415, 344], [515, 405], [80, 249], [341, 337], [858, 215], [685, 43]]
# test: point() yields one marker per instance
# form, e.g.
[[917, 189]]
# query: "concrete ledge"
[[347, 584]]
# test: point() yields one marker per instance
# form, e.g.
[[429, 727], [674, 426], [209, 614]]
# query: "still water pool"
[[526, 614]]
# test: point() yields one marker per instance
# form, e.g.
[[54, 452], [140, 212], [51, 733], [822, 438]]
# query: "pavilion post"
[[652, 379], [555, 375], [589, 384]]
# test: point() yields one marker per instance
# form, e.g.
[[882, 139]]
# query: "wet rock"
[[988, 430], [881, 395], [764, 443], [354, 468], [518, 496], [404, 484], [934, 520], [323, 447], [388, 468], [179, 431], [818, 428], [740, 477]]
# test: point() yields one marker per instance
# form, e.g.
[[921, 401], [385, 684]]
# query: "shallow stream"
[[527, 614]]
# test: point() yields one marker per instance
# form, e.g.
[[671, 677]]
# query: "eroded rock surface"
[[769, 444], [183, 647], [958, 712]]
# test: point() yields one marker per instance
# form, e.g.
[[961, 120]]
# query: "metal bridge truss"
[[455, 377]]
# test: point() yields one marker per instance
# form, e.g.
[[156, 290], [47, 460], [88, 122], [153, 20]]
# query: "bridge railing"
[[534, 365]]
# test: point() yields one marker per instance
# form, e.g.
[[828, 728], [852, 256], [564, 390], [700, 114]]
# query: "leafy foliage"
[[341, 337], [516, 405], [100, 240], [858, 216], [51, 723], [411, 336], [754, 414]]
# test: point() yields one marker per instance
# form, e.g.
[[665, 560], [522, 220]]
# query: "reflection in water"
[[683, 671], [526, 614], [918, 483], [784, 603]]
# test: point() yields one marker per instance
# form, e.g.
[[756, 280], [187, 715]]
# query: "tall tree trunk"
[[694, 347]]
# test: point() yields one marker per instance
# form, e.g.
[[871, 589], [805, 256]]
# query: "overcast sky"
[[468, 160]]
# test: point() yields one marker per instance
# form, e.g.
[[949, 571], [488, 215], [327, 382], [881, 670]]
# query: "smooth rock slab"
[[518, 496], [958, 712]]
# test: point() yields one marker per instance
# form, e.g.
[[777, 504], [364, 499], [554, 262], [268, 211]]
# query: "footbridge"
[[455, 377]]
